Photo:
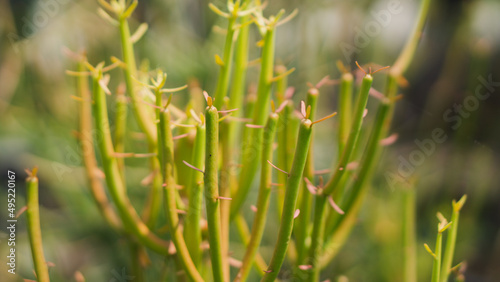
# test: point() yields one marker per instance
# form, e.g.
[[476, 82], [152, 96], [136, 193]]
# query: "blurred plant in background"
[[445, 124]]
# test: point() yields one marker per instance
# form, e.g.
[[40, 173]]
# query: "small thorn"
[[305, 266], [21, 211], [234, 262], [253, 208], [322, 171], [205, 94], [325, 118], [181, 211], [254, 125], [325, 81], [193, 167], [268, 271], [380, 69], [312, 189], [303, 109], [281, 107], [277, 167], [227, 111], [180, 136], [365, 112], [296, 213], [361, 68], [224, 198], [352, 165], [276, 184], [389, 140], [334, 205], [289, 92]]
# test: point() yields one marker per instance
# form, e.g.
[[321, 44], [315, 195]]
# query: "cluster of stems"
[[222, 165]]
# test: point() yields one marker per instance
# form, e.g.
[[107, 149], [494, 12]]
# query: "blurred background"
[[453, 84]]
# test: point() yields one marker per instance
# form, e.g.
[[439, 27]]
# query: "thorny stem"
[[262, 200], [252, 149], [166, 159], [130, 219], [305, 197], [89, 160], [345, 110], [292, 189], [192, 228], [34, 230], [380, 129], [130, 70], [212, 199]]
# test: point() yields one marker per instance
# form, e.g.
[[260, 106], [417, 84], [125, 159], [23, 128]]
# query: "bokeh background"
[[459, 50]]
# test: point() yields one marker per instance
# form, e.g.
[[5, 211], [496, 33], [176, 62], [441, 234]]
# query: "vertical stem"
[[225, 69], [130, 219], [192, 230], [302, 223], [212, 191], [262, 200], [252, 145], [350, 146], [244, 232], [292, 189], [345, 110], [317, 237], [89, 159], [34, 230], [451, 239], [436, 266], [120, 128], [130, 70], [409, 236], [166, 159]]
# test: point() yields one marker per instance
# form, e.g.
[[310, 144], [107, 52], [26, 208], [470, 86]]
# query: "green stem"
[[301, 227], [350, 146], [192, 228], [317, 237], [166, 159], [89, 159], [436, 266], [259, 264], [212, 191], [451, 239], [120, 128], [130, 219], [345, 110], [292, 189], [262, 200], [225, 69], [34, 230], [130, 70], [409, 235], [252, 148]]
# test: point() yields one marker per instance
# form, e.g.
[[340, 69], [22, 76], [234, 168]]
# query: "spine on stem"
[[34, 230]]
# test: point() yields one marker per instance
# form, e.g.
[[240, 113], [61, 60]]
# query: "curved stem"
[[34, 230], [292, 189], [131, 220], [262, 200], [89, 160], [212, 191]]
